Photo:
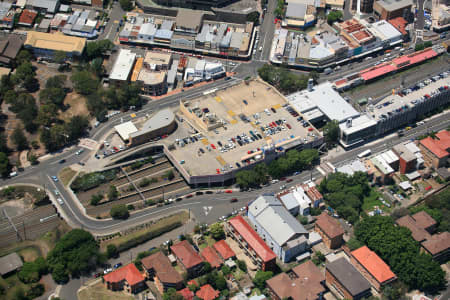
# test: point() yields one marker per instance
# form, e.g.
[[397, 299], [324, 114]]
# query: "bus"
[[364, 153]]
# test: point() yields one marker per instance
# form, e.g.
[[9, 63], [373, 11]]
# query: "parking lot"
[[255, 117]]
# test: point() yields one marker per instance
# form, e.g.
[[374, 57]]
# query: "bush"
[[111, 251], [144, 182], [119, 211], [169, 175], [29, 273], [217, 231], [35, 291], [241, 265], [92, 180], [95, 199]]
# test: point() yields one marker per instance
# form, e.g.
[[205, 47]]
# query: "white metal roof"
[[123, 65], [125, 129]]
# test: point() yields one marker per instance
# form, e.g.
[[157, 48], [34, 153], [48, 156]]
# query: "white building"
[[123, 66]]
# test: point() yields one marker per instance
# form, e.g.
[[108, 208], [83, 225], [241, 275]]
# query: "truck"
[[364, 153]]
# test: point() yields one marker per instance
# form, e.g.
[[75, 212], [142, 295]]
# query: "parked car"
[[118, 265], [233, 200]]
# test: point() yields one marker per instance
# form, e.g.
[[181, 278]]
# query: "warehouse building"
[[46, 44]]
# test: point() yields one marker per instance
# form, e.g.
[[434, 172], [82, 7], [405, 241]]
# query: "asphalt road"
[[115, 15]]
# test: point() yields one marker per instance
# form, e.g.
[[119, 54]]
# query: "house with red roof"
[[27, 17], [188, 258], [211, 256], [224, 250], [254, 246], [186, 293], [127, 278], [207, 292], [372, 267], [436, 150], [158, 268]]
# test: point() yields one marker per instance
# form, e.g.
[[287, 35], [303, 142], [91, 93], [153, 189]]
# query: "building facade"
[[330, 230]]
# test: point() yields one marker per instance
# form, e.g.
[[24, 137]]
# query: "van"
[[12, 174], [260, 49]]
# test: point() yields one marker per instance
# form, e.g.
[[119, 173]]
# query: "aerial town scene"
[[225, 149]]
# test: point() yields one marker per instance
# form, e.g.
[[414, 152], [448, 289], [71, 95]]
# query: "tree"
[[217, 231], [113, 193], [98, 48], [47, 114], [4, 164], [60, 57], [334, 16], [111, 251], [170, 175], [419, 47], [220, 283], [96, 66], [261, 277], [225, 270], [76, 127], [52, 95], [19, 139], [171, 294], [74, 254], [32, 158], [126, 5], [57, 81], [95, 199], [35, 291], [119, 211], [241, 265], [84, 82], [331, 132], [29, 273], [253, 17], [23, 56], [354, 244], [302, 219]]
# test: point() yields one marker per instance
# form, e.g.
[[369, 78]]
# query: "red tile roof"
[[129, 273], [207, 292], [373, 264], [27, 17], [400, 24], [224, 250], [212, 257], [329, 225], [252, 238], [162, 267], [439, 145], [186, 293], [186, 253], [192, 282], [377, 71]]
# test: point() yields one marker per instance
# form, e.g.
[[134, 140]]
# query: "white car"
[[60, 201]]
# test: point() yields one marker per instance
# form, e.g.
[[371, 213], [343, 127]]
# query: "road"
[[115, 15]]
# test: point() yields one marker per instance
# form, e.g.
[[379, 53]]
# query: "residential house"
[[186, 293], [345, 282], [158, 268], [372, 267], [306, 282], [330, 230], [9, 48], [188, 258], [296, 201], [211, 256], [127, 278], [207, 292], [438, 246], [436, 151], [278, 228], [260, 254], [224, 250], [421, 225], [27, 17]]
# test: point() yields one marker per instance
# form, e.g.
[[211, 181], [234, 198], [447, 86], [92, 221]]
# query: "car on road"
[[282, 187], [96, 275], [55, 179], [60, 201], [56, 192], [79, 152], [233, 200], [289, 180], [62, 161], [81, 163]]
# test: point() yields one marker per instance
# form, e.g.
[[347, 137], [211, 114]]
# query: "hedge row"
[[92, 180]]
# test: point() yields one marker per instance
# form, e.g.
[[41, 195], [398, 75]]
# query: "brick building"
[[330, 230], [436, 151], [127, 278], [158, 268], [188, 258]]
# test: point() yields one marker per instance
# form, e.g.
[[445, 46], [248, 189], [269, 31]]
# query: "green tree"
[[126, 5], [253, 17], [111, 251], [419, 47], [35, 291], [76, 127], [220, 283], [5, 167], [29, 273], [217, 231], [333, 16], [331, 132], [113, 193], [60, 57], [95, 199], [84, 82], [354, 244], [119, 211], [47, 114], [98, 48], [19, 139], [96, 66], [171, 294], [241, 265], [170, 175], [32, 158], [261, 277], [52, 95], [225, 270], [57, 81], [23, 56]]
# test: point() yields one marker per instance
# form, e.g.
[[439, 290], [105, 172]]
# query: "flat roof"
[[386, 30], [55, 41], [9, 263], [348, 276], [352, 167], [327, 100], [123, 65], [160, 119], [151, 78], [189, 19], [359, 123], [391, 5], [157, 58], [125, 129]]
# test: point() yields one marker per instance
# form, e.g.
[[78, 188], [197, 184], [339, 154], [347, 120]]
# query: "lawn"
[[66, 175], [99, 292], [161, 223], [373, 200], [209, 241], [11, 285]]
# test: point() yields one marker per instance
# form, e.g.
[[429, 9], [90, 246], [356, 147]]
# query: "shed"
[[10, 263], [405, 185]]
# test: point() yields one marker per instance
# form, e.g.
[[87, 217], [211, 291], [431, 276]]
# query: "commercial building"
[[366, 6], [46, 44], [345, 281], [196, 4], [82, 24], [44, 6], [278, 228], [10, 263], [330, 230], [188, 258], [153, 83], [161, 123], [123, 65], [407, 159], [10, 46], [305, 283], [127, 278], [436, 150], [300, 14], [438, 246], [260, 254], [296, 201], [390, 9], [372, 267], [158, 268]]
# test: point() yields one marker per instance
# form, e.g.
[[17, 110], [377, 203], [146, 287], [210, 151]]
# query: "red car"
[[288, 126], [289, 180], [228, 191], [116, 149], [249, 152], [233, 200], [212, 146], [310, 129], [428, 188]]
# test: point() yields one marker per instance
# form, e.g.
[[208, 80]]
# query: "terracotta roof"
[[224, 249], [306, 286], [129, 273], [186, 293], [437, 243], [419, 234], [162, 267], [439, 145], [373, 264], [329, 225], [186, 253], [207, 292], [27, 17], [252, 238], [97, 3], [400, 24], [212, 257], [423, 219], [193, 282]]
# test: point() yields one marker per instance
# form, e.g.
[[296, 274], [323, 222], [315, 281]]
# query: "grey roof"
[[296, 10], [147, 29], [163, 34], [49, 5], [171, 75], [167, 25], [289, 201], [220, 33], [84, 14], [236, 40], [9, 263], [45, 24], [201, 37], [4, 8], [348, 276], [391, 5], [275, 219], [161, 119], [189, 19], [225, 42]]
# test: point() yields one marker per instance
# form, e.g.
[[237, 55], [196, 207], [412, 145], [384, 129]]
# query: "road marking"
[[207, 209]]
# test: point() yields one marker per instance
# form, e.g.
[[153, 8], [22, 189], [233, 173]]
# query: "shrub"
[[95, 199], [92, 180], [241, 265], [119, 211]]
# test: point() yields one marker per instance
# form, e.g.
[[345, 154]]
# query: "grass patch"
[[100, 292], [66, 175], [155, 228], [371, 200], [11, 285]]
